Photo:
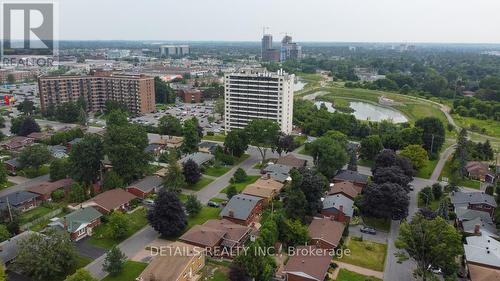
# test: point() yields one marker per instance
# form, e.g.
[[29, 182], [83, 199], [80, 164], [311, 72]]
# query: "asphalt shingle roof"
[[458, 197], [339, 201], [240, 206]]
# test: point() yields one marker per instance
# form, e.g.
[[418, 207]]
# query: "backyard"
[[448, 173]]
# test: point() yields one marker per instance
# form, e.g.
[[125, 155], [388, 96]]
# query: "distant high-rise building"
[[258, 94], [267, 51], [289, 49], [267, 42], [174, 50]]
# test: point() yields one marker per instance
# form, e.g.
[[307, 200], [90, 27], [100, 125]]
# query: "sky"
[[440, 21]]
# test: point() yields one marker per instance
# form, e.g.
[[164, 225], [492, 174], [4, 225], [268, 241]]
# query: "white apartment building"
[[255, 93]]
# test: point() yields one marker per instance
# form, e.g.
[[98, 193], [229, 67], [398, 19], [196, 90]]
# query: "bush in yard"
[[193, 205], [231, 191], [191, 171], [57, 195], [80, 275], [239, 175], [114, 261], [167, 216], [4, 233], [426, 195], [437, 191], [112, 180], [118, 225]]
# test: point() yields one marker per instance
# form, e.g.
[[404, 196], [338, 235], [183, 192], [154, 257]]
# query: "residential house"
[[17, 143], [482, 258], [40, 136], [45, 189], [243, 209], [219, 237], [277, 172], [339, 207], [479, 171], [12, 166], [8, 248], [352, 176], [346, 188], [308, 264], [199, 158], [264, 188], [207, 147], [291, 161], [79, 223], [479, 201], [326, 233], [58, 151], [21, 200], [112, 200], [70, 144], [166, 141], [172, 266], [145, 186], [155, 149]]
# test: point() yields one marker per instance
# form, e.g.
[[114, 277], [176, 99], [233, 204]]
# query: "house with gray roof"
[[482, 258], [79, 223], [479, 201], [479, 227], [339, 207], [9, 247], [58, 151], [199, 158], [243, 209], [355, 177], [277, 172], [12, 165], [21, 200], [145, 186]]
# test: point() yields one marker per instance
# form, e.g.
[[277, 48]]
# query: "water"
[[369, 112]]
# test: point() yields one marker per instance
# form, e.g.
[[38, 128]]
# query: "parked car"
[[368, 230], [148, 202], [411, 187], [213, 204]]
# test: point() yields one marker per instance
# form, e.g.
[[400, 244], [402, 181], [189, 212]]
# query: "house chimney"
[[268, 176], [231, 213], [341, 208], [477, 229]]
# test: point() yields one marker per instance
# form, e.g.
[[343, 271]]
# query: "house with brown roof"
[[111, 200], [479, 171], [346, 188], [326, 233], [291, 161], [17, 143], [167, 141], [219, 237], [178, 262], [307, 264], [264, 188], [40, 136], [45, 189]]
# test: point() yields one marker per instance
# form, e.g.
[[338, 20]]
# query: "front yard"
[[205, 214], [366, 254], [382, 224], [346, 275], [240, 186], [102, 236], [426, 171], [131, 271], [204, 181], [216, 171], [447, 173]]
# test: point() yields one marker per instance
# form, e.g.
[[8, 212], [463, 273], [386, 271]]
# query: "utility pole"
[[8, 207], [432, 142]]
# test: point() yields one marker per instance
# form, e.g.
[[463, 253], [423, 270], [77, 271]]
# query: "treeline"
[[473, 107]]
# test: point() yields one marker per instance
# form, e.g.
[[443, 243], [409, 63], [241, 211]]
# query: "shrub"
[[240, 175], [57, 195]]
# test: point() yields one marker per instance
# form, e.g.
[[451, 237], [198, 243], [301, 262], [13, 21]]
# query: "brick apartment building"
[[19, 75], [135, 90], [190, 96]]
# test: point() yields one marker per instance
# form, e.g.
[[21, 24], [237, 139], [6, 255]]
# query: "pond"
[[369, 112]]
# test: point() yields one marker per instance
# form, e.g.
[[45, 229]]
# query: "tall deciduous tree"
[[263, 134], [174, 179], [432, 244], [433, 134], [28, 126], [59, 169], [461, 153], [329, 155], [114, 261], [417, 155], [85, 158], [167, 216], [112, 180], [370, 147], [118, 225], [170, 125], [387, 200], [193, 205], [191, 136], [191, 171], [236, 142], [34, 156]]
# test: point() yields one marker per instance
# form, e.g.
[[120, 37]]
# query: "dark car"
[[368, 230], [213, 204]]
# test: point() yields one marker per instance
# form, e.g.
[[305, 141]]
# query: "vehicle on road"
[[368, 230], [213, 204]]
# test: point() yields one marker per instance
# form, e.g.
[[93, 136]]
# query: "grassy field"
[[366, 254], [461, 182], [102, 236], [379, 224], [346, 275], [426, 171], [433, 204], [204, 181], [491, 127], [215, 271], [216, 172], [131, 271], [240, 186], [6, 184], [216, 137]]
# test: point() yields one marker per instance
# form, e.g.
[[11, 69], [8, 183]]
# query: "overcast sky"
[[458, 21]]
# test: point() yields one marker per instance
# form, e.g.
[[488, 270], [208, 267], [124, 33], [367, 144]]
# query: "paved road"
[[442, 161], [24, 185]]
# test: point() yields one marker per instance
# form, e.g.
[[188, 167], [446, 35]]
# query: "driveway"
[[380, 237], [87, 250]]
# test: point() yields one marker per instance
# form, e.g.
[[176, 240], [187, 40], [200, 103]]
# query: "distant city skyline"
[[423, 21]]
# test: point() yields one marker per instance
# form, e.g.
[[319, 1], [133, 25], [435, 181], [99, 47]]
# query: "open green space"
[[366, 254], [346, 275], [131, 271], [204, 181], [33, 173], [102, 237], [216, 137], [487, 127], [382, 224], [241, 185], [426, 171], [81, 261], [216, 171], [447, 173]]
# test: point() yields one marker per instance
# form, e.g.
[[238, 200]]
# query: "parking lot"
[[185, 111]]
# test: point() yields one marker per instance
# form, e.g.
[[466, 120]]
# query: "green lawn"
[[241, 159], [38, 212], [461, 182], [366, 254], [433, 204], [426, 171], [131, 271], [33, 173], [218, 276], [182, 197], [205, 214], [346, 275], [200, 184], [490, 127], [240, 186], [80, 262], [102, 237], [379, 224], [216, 137], [6, 184], [217, 200], [216, 172]]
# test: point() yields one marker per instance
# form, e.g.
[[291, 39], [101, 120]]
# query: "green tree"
[[114, 261], [116, 117], [433, 134], [3, 173], [236, 142], [167, 216], [240, 175], [4, 233], [112, 180], [461, 154], [191, 136], [80, 275], [231, 191], [431, 244], [163, 92], [77, 194], [191, 171], [329, 155], [263, 133], [26, 107], [85, 158], [46, 257], [118, 225], [174, 178], [370, 147], [170, 125], [293, 232], [257, 266], [193, 205], [28, 126], [295, 203], [59, 169], [34, 156], [416, 154]]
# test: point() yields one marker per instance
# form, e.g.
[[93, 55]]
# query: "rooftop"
[[240, 206]]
